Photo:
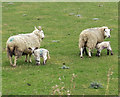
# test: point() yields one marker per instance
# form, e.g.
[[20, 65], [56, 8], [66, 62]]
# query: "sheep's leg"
[[15, 60], [26, 58], [81, 52], [30, 61], [85, 50], [89, 52], [10, 58]]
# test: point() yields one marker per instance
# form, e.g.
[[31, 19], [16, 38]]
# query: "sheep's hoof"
[[81, 57], [37, 64], [43, 63], [111, 53], [13, 65], [26, 61], [98, 55], [30, 61], [89, 56]]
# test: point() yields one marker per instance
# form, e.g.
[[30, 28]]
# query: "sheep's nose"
[[108, 36], [42, 38]]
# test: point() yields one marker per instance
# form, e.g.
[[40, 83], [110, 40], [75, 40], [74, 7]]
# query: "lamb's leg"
[[37, 60], [110, 49], [45, 60], [97, 54], [30, 61], [107, 52], [10, 58], [26, 58], [15, 60], [81, 52]]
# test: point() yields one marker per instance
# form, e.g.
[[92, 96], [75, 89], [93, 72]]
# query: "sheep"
[[18, 45], [44, 53], [103, 45], [90, 37]]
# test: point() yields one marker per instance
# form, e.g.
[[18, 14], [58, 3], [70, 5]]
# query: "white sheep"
[[18, 45], [43, 53], [90, 37], [103, 45]]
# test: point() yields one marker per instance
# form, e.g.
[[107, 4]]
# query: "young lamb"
[[103, 45], [44, 53]]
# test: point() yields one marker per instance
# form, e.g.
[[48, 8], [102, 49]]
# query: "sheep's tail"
[[48, 55], [10, 51], [82, 42]]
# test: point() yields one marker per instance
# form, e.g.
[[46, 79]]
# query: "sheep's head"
[[106, 32], [39, 32], [32, 49]]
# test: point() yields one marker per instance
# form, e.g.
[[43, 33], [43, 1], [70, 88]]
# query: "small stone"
[[100, 5], [10, 3], [95, 19], [70, 14], [68, 34], [55, 40], [78, 15], [28, 84], [24, 14]]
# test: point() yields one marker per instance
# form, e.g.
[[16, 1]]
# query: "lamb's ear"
[[39, 28], [30, 48], [36, 48], [35, 28]]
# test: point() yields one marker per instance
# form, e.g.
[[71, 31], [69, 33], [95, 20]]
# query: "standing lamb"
[[18, 45], [44, 53], [90, 37], [103, 45]]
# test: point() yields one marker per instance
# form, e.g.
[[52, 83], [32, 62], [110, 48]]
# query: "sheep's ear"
[[39, 28], [36, 48], [104, 29], [30, 48], [110, 29], [35, 28]]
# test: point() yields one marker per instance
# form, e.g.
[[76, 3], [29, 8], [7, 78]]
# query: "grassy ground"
[[59, 24]]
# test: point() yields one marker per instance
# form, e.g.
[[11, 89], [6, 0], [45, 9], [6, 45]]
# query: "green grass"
[[57, 24]]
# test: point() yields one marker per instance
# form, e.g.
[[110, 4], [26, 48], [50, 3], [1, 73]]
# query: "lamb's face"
[[107, 33]]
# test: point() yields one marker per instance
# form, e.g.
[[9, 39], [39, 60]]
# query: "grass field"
[[59, 22]]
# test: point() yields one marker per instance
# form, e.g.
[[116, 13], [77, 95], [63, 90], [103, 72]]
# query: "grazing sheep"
[[18, 45], [44, 53], [103, 45], [90, 37]]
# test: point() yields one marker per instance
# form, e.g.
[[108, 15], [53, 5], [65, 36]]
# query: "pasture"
[[62, 24]]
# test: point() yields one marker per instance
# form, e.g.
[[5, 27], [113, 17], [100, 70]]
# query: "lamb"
[[18, 45], [103, 45], [90, 37], [44, 53]]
